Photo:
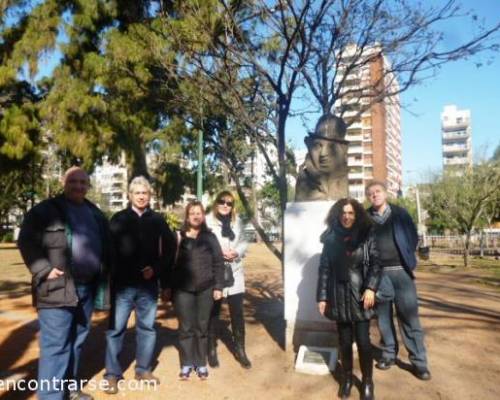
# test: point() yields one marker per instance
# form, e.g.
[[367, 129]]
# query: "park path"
[[461, 321]]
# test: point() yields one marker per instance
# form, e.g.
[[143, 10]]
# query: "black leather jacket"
[[364, 272]]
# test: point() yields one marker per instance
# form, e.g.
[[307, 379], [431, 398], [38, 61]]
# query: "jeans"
[[62, 334], [235, 303], [143, 298], [193, 310], [400, 288]]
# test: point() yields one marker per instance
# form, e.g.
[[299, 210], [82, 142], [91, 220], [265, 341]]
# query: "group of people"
[[71, 250], [366, 267]]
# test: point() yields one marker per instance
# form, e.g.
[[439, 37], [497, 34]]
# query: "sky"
[[460, 83]]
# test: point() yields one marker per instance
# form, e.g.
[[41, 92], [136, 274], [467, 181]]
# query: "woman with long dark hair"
[[197, 282], [349, 275], [228, 228]]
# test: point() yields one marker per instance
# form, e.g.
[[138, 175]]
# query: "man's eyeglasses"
[[222, 202]]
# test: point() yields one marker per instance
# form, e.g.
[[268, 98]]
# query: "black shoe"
[[385, 364], [241, 356], [367, 391], [345, 387], [422, 373], [79, 395]]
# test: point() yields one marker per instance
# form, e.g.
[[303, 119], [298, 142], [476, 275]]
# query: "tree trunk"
[[466, 248]]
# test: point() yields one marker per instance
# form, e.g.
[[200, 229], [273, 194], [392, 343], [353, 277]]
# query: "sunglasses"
[[222, 202]]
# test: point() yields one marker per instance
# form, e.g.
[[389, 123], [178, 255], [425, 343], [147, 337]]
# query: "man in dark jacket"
[[144, 249], [63, 243], [397, 241]]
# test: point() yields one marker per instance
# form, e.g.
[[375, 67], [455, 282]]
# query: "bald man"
[[63, 243]]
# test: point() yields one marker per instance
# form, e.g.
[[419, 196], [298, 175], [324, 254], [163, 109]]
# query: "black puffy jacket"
[[199, 264], [364, 272], [45, 242]]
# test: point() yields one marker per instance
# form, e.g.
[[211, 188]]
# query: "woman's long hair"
[[362, 222], [185, 226], [219, 197]]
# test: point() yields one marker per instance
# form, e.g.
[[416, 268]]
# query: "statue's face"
[[326, 155]]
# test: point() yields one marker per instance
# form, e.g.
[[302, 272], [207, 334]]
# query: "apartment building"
[[374, 131], [456, 138]]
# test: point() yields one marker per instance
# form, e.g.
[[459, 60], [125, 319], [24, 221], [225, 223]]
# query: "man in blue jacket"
[[397, 239]]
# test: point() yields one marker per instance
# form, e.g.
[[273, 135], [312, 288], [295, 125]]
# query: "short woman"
[[349, 275], [197, 281], [225, 224]]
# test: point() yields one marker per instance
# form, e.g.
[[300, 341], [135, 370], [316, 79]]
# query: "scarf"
[[381, 219], [226, 226], [347, 240]]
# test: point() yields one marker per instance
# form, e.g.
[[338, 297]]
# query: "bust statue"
[[323, 175]]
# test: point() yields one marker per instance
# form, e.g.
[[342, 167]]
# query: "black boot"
[[213, 360], [239, 350], [366, 364], [346, 384]]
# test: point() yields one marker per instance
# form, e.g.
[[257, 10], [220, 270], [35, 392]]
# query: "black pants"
[[235, 303], [193, 311], [360, 331]]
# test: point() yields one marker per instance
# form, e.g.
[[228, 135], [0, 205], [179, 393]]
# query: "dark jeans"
[[235, 303], [399, 287], [348, 331], [62, 334], [142, 298], [193, 311]]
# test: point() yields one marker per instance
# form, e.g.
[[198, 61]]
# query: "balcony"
[[354, 137], [456, 161], [455, 148], [454, 135], [355, 150], [447, 125], [355, 175], [353, 162]]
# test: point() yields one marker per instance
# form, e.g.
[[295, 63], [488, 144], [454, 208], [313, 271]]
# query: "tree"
[[264, 57], [462, 201]]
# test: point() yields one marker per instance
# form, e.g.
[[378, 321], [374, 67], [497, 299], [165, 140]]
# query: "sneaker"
[[111, 385], [202, 373], [147, 377], [185, 372]]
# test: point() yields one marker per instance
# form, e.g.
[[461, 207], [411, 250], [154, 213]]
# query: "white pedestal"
[[304, 223]]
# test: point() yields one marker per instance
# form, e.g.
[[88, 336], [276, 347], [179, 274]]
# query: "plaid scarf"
[[381, 219]]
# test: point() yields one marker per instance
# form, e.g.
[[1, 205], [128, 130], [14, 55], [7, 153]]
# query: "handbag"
[[228, 275]]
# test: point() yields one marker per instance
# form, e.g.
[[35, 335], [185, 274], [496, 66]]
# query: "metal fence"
[[487, 243]]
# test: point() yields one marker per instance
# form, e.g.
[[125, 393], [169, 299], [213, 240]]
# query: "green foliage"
[[173, 221], [410, 204]]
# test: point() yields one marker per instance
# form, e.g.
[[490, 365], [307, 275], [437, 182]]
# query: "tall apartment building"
[[110, 185], [456, 138], [375, 135]]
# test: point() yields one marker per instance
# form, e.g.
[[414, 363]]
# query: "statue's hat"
[[330, 127]]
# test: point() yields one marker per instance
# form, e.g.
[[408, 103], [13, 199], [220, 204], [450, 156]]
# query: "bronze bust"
[[323, 175]]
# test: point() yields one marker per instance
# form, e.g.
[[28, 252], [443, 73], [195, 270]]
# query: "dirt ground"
[[461, 320]]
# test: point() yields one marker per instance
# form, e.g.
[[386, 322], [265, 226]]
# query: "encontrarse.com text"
[[73, 384]]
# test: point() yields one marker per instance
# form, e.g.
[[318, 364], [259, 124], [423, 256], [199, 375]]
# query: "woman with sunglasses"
[[198, 278], [229, 231]]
